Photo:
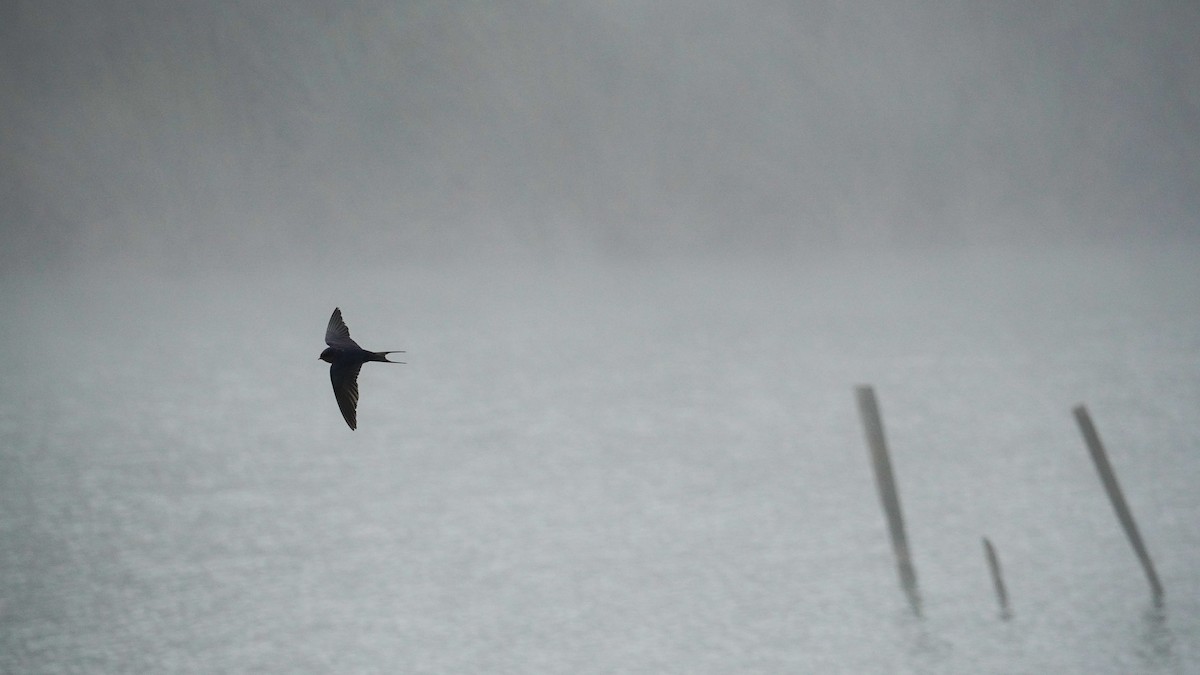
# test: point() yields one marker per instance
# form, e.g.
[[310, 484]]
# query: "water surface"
[[601, 468]]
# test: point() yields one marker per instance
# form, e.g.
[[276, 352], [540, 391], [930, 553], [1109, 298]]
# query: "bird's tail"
[[382, 356]]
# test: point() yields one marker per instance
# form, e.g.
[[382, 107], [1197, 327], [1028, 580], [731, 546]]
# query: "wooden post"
[[997, 578], [885, 481], [1124, 515]]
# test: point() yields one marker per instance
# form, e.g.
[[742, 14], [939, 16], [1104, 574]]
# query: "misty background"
[[639, 254], [196, 134]]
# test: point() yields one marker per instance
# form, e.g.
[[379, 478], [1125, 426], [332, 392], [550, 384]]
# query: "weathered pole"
[[1124, 515], [885, 481], [997, 577]]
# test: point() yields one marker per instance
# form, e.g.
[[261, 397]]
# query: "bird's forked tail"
[[382, 356]]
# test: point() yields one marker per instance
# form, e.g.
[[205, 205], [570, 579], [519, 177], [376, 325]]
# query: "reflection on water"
[[928, 652], [1156, 650]]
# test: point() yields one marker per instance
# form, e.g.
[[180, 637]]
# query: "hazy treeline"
[[177, 131]]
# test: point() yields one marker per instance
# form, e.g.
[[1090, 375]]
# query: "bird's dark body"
[[352, 356], [345, 359]]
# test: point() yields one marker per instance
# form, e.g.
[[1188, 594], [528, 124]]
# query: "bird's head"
[[327, 355]]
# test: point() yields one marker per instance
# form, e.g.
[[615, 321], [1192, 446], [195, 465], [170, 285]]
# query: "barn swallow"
[[346, 358]]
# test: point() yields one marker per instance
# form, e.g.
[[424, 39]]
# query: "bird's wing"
[[337, 334], [345, 389]]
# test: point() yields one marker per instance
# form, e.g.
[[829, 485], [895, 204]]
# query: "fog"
[[640, 254], [176, 134]]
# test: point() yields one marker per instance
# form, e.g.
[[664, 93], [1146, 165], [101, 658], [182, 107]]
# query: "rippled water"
[[606, 468]]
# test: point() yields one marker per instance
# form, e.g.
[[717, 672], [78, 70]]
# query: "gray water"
[[601, 468]]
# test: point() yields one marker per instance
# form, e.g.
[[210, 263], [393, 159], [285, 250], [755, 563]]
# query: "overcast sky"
[[184, 132]]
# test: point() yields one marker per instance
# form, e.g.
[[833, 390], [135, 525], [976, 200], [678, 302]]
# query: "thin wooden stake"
[[997, 578], [885, 481], [1124, 515]]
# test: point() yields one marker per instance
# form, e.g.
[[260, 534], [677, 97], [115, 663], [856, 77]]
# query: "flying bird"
[[346, 358]]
